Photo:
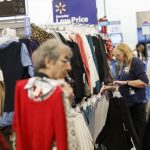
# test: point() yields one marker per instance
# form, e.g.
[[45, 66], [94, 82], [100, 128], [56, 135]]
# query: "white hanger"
[[8, 35], [117, 93], [7, 32]]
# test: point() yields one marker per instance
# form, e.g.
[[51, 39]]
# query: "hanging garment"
[[87, 113], [13, 70], [99, 115], [2, 97], [107, 79], [77, 72], [30, 44], [101, 56], [89, 38], [93, 72], [86, 109], [73, 142], [114, 67], [82, 132], [79, 41], [3, 143], [28, 71], [109, 48], [25, 56], [12, 63], [1, 75], [2, 93], [39, 34], [39, 118], [146, 141], [118, 129], [26, 60]]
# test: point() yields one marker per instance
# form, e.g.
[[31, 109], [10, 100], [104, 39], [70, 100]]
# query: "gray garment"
[[99, 115], [6, 43], [26, 59]]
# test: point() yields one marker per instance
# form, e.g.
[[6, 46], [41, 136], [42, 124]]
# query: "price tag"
[[27, 27]]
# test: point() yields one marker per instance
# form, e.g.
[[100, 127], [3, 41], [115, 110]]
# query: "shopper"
[[140, 51], [39, 119], [133, 81]]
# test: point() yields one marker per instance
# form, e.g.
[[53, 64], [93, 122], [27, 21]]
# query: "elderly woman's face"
[[61, 67]]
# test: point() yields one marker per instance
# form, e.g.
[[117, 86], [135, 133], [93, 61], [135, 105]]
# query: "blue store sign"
[[75, 11]]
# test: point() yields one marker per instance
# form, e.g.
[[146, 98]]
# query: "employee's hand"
[[120, 83], [106, 88]]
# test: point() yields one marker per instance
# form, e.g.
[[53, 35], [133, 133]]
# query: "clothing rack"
[[18, 24], [70, 27]]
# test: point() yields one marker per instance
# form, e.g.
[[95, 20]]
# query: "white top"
[[93, 72], [1, 75]]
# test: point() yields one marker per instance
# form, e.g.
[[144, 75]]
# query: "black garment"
[[101, 59], [77, 72], [34, 44], [138, 114], [119, 129], [104, 59], [62, 38], [90, 41], [30, 44], [146, 140], [10, 63], [39, 74]]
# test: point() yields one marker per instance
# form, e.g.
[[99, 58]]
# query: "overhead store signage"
[[145, 28], [103, 23], [114, 27], [12, 8], [75, 11]]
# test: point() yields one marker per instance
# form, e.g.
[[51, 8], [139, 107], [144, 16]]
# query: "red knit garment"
[[109, 48], [3, 143], [39, 124]]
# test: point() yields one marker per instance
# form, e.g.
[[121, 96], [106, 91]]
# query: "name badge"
[[131, 91]]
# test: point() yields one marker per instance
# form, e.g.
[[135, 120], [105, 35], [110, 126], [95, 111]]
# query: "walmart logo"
[[60, 8]]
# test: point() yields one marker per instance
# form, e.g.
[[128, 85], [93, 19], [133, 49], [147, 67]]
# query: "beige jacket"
[[2, 93]]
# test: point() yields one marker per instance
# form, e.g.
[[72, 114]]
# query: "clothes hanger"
[[8, 32], [117, 93]]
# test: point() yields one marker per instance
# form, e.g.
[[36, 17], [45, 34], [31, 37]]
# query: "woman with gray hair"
[[40, 118], [53, 59]]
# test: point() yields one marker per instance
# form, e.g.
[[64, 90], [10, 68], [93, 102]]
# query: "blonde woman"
[[133, 81]]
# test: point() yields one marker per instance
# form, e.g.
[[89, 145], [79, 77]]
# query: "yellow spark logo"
[[60, 8]]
